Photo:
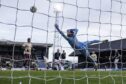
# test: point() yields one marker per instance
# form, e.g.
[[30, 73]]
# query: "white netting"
[[95, 19]]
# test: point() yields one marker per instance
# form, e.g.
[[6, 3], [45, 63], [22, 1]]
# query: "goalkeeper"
[[82, 47]]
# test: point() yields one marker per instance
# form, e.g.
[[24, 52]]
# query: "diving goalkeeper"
[[82, 47]]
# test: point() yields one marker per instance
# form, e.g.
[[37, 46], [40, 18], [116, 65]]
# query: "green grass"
[[63, 77]]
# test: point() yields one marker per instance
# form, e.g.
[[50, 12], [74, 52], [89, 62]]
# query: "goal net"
[[103, 21]]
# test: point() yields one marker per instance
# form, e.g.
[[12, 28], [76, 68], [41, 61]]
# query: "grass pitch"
[[63, 77]]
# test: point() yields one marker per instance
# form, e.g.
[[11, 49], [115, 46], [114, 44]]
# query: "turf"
[[63, 77]]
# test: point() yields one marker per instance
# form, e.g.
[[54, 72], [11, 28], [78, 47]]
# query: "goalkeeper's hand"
[[56, 25]]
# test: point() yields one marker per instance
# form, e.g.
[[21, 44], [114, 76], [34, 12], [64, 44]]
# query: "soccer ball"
[[33, 9]]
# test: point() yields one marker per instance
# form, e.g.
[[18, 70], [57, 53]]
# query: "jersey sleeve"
[[57, 27], [24, 45]]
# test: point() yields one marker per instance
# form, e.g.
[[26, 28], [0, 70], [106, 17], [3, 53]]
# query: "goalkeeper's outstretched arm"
[[57, 27]]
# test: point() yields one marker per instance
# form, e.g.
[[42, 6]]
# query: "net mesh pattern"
[[95, 19]]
